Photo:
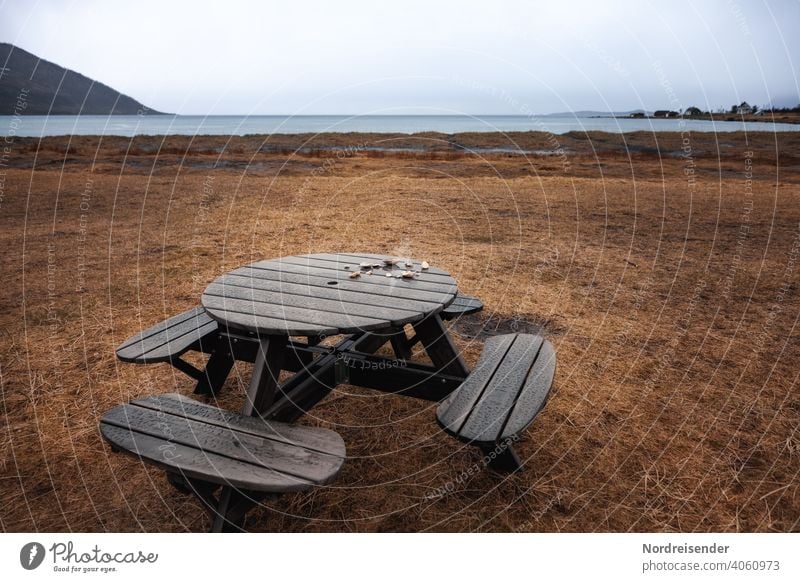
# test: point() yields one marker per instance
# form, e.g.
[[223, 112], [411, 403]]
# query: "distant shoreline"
[[791, 118]]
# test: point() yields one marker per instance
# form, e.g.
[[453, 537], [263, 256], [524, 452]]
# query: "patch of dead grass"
[[675, 407]]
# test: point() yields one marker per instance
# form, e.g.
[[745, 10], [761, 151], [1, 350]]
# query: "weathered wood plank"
[[505, 392], [535, 392], [250, 322], [244, 447], [318, 304], [170, 340], [167, 346], [377, 279], [301, 436], [455, 409], [196, 312], [277, 319], [462, 305], [488, 416], [355, 260], [205, 467], [316, 266], [398, 290], [368, 257], [354, 294]]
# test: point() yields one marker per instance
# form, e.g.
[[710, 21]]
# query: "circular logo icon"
[[31, 555]]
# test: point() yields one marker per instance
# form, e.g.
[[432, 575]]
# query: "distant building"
[[665, 113], [637, 115], [692, 111], [744, 108]]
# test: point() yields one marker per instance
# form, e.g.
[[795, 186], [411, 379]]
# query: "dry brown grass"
[[672, 303]]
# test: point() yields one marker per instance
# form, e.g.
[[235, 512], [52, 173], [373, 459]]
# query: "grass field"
[[665, 271]]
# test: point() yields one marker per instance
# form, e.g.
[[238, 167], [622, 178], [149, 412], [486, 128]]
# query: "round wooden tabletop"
[[309, 295]]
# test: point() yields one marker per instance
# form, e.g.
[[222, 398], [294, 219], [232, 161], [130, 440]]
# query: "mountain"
[[33, 86]]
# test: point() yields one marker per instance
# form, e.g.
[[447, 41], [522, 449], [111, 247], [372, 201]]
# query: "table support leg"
[[316, 380], [440, 347], [400, 344], [266, 373]]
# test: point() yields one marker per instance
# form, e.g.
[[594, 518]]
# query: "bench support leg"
[[186, 368], [217, 369], [220, 513], [233, 505], [227, 510], [501, 457], [179, 482]]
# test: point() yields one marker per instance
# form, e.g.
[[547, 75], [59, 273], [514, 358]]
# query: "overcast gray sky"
[[349, 57]]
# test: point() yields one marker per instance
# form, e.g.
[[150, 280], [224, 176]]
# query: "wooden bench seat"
[[193, 330], [462, 305], [169, 339], [502, 395], [207, 447]]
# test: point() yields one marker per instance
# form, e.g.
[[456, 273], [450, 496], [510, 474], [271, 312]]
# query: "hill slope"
[[49, 89]]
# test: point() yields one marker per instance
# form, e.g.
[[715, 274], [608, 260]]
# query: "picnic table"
[[318, 296], [322, 318]]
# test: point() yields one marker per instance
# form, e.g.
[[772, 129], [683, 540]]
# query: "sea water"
[[130, 125]]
